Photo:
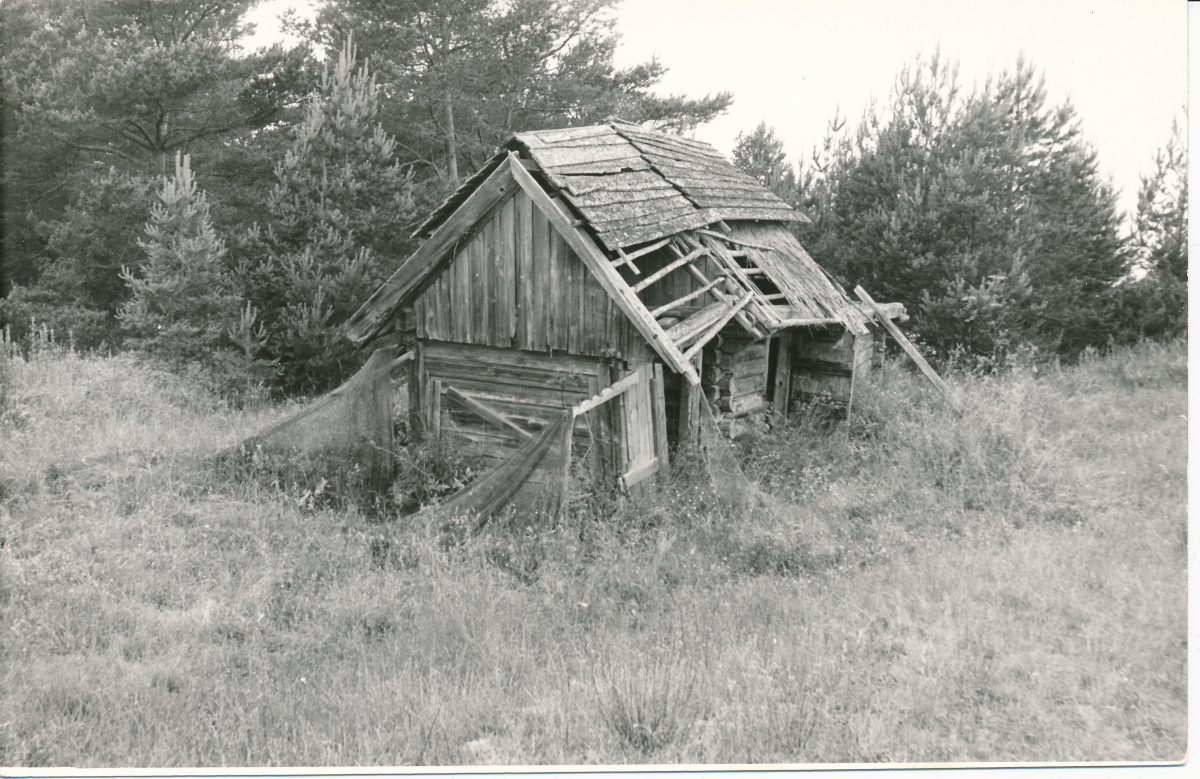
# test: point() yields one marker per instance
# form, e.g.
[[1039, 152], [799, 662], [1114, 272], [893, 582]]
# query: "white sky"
[[793, 63]]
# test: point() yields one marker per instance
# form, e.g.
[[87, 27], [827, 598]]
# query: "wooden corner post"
[[689, 407]]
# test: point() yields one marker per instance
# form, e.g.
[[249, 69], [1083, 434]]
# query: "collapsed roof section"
[[616, 193]]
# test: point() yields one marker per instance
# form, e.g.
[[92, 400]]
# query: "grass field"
[[1008, 586]]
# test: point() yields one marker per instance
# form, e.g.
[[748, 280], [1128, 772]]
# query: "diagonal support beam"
[[716, 328], [490, 414], [910, 350], [641, 285]]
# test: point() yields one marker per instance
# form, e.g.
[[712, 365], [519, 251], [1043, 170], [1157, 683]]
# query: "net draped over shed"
[[345, 436]]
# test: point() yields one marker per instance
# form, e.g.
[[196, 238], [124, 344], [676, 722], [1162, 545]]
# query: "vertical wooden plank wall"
[[526, 278], [505, 289], [515, 282], [823, 365]]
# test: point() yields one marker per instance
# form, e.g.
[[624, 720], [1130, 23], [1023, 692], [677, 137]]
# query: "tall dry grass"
[[1009, 585]]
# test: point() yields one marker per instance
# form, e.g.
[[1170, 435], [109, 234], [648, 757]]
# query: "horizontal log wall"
[[515, 283], [735, 372]]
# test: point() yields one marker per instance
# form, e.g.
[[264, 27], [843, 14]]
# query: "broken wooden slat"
[[647, 249], [738, 280], [489, 414], [639, 474], [606, 395], [690, 296], [808, 322], [641, 285], [628, 258], [910, 350], [689, 329], [741, 317], [396, 363], [716, 328], [625, 259], [775, 297]]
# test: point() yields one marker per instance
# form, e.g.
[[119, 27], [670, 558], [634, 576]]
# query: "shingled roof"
[[616, 187], [633, 185]]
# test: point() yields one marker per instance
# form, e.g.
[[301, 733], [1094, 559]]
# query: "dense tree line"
[[226, 211], [984, 213], [167, 191]]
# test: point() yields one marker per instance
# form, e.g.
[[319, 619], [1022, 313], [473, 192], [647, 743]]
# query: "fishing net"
[[722, 468], [340, 446], [486, 496]]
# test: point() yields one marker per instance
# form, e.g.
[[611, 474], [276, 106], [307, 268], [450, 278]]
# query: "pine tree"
[[183, 304], [761, 155], [1154, 298], [947, 201], [340, 213]]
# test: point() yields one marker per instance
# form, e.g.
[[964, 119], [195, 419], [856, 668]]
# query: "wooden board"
[[638, 412], [783, 377], [658, 402], [823, 366]]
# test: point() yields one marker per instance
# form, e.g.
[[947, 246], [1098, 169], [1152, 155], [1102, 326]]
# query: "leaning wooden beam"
[[625, 259], [716, 328], [690, 296], [396, 363], [591, 256], [653, 277], [683, 333], [741, 317], [808, 322], [647, 249], [491, 415], [608, 394], [910, 350]]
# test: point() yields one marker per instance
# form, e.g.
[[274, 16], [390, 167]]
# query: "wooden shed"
[[611, 257]]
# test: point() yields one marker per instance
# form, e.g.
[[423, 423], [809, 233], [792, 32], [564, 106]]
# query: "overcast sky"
[[793, 63]]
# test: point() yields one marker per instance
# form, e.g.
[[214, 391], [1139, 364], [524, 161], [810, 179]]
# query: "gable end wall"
[[514, 282]]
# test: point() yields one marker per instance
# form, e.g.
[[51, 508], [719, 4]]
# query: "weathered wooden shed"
[[611, 257]]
